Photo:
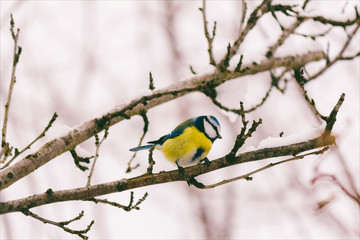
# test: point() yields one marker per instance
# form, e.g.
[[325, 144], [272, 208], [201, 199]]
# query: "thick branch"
[[69, 141], [86, 193]]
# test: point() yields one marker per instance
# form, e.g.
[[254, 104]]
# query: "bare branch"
[[145, 129], [97, 144], [299, 76], [197, 83], [248, 176], [42, 134], [243, 15], [86, 193], [151, 82], [339, 55], [242, 136], [285, 34], [61, 225], [78, 160], [355, 196], [207, 35], [151, 161], [254, 17], [127, 208], [5, 148]]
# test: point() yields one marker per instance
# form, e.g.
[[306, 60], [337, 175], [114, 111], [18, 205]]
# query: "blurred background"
[[83, 58]]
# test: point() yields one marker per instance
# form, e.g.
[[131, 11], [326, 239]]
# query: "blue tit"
[[189, 143]]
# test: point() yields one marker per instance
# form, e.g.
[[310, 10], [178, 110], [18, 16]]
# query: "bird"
[[189, 143]]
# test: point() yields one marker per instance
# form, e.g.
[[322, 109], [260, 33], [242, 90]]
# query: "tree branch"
[[5, 148], [207, 35], [61, 225], [248, 175], [197, 83], [85, 193]]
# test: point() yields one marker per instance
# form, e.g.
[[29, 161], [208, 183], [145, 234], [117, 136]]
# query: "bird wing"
[[176, 132]]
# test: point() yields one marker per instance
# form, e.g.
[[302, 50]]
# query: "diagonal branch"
[[86, 193], [339, 55], [85, 131], [42, 134], [207, 35], [61, 225], [248, 175], [250, 24]]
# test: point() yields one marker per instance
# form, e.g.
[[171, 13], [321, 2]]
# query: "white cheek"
[[210, 131]]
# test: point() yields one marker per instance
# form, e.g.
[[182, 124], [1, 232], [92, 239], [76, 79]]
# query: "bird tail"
[[135, 149]]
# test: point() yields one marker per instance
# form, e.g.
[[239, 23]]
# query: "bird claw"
[[189, 180], [206, 161]]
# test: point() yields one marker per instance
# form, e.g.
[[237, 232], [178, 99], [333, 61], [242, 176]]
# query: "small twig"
[[81, 214], [42, 134], [350, 57], [239, 111], [151, 82], [242, 136], [151, 161], [355, 196], [97, 144], [127, 208], [299, 77], [61, 225], [313, 36], [331, 119], [285, 34], [275, 82], [338, 57], [225, 63], [254, 17], [248, 177], [243, 15], [5, 148], [78, 160], [207, 35], [145, 129], [238, 66], [304, 4], [192, 70]]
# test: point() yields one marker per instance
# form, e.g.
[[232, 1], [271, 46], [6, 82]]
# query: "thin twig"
[[243, 15], [339, 55], [84, 193], [354, 197], [254, 17], [70, 140], [239, 111], [207, 35], [299, 77], [127, 208], [242, 136], [42, 134], [61, 225], [285, 34], [248, 177], [145, 129], [151, 161], [97, 144], [16, 54]]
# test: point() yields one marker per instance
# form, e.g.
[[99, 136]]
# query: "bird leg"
[[206, 161]]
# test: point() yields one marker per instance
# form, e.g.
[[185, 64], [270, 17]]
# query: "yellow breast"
[[183, 148]]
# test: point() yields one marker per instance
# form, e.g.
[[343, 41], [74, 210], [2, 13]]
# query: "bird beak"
[[219, 136]]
